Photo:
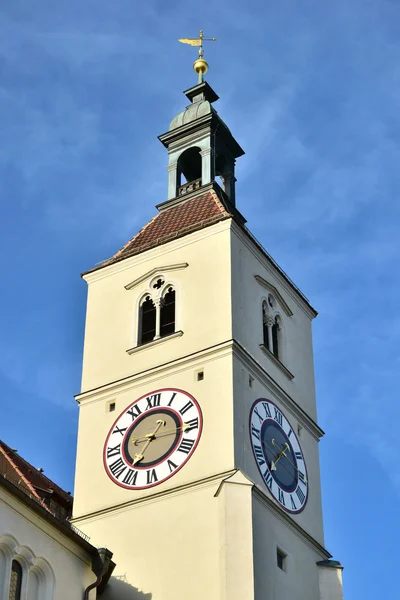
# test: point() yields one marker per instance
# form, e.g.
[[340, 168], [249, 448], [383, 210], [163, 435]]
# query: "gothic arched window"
[[271, 327], [147, 321], [15, 581], [167, 313]]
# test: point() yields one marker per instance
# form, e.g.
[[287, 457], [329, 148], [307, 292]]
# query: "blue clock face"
[[279, 456]]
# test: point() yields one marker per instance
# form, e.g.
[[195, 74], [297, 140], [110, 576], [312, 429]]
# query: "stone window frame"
[[38, 580], [156, 295], [272, 317]]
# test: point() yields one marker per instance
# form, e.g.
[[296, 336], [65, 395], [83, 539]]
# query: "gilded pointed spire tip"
[[199, 65]]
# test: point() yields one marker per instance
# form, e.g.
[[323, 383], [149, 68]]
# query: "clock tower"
[[197, 459]]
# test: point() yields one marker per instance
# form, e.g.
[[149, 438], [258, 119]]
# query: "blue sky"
[[311, 91]]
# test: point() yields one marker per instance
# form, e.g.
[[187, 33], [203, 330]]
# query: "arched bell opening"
[[224, 171], [189, 171]]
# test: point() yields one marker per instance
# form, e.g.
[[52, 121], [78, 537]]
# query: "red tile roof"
[[174, 222], [30, 480]]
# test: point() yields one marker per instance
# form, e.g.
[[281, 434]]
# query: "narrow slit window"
[[167, 313], [147, 326], [281, 559], [15, 581]]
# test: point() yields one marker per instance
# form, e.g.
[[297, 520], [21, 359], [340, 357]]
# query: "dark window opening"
[[15, 581], [200, 376], [275, 338], [266, 338], [189, 165], [147, 321], [111, 407], [280, 559], [167, 313], [265, 328]]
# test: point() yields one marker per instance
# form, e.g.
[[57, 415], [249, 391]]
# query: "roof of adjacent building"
[[32, 481], [176, 221], [30, 486]]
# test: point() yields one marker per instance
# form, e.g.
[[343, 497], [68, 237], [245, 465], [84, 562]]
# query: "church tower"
[[197, 460]]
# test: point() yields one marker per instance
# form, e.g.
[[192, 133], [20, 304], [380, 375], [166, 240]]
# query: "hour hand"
[[137, 458], [279, 456]]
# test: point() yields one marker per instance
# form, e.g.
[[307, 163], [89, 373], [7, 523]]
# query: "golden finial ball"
[[200, 66]]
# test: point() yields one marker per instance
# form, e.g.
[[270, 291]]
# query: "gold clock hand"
[[279, 456], [150, 436], [166, 432], [282, 453]]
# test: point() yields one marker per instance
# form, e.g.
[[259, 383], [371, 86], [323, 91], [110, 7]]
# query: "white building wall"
[[311, 517], [247, 297], [53, 566], [203, 305], [299, 580]]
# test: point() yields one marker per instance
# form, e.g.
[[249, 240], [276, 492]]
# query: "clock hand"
[[283, 453], [279, 456], [166, 432], [150, 437]]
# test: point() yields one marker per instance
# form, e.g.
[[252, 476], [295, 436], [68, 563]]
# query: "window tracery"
[[15, 581], [22, 573], [272, 327], [157, 311]]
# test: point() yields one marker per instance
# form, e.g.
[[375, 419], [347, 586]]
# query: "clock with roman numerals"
[[279, 456], [152, 439]]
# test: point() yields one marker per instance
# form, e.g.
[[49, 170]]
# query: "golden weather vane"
[[200, 65]]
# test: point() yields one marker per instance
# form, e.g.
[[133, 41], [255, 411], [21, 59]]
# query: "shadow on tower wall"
[[118, 588]]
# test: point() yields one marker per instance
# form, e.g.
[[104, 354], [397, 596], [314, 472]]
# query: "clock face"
[[278, 455], [152, 439]]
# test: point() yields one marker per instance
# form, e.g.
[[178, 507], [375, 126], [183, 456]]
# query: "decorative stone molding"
[[269, 321], [163, 269], [277, 362], [155, 342], [271, 288]]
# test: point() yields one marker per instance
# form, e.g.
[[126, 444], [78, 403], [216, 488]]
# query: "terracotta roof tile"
[[179, 220], [28, 478]]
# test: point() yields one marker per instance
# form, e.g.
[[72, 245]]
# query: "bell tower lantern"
[[200, 146]]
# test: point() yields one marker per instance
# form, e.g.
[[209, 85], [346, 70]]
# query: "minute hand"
[[282, 453], [154, 436]]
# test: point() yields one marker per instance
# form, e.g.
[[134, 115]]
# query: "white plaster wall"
[[247, 295], [214, 453], [164, 548], [330, 583], [42, 544], [203, 306], [300, 580]]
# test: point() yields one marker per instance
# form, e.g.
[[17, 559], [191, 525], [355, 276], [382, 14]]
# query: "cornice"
[[109, 389], [269, 263], [265, 379], [217, 351], [154, 497], [155, 252], [260, 495]]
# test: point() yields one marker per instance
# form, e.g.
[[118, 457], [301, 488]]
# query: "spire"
[[201, 149], [199, 65]]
